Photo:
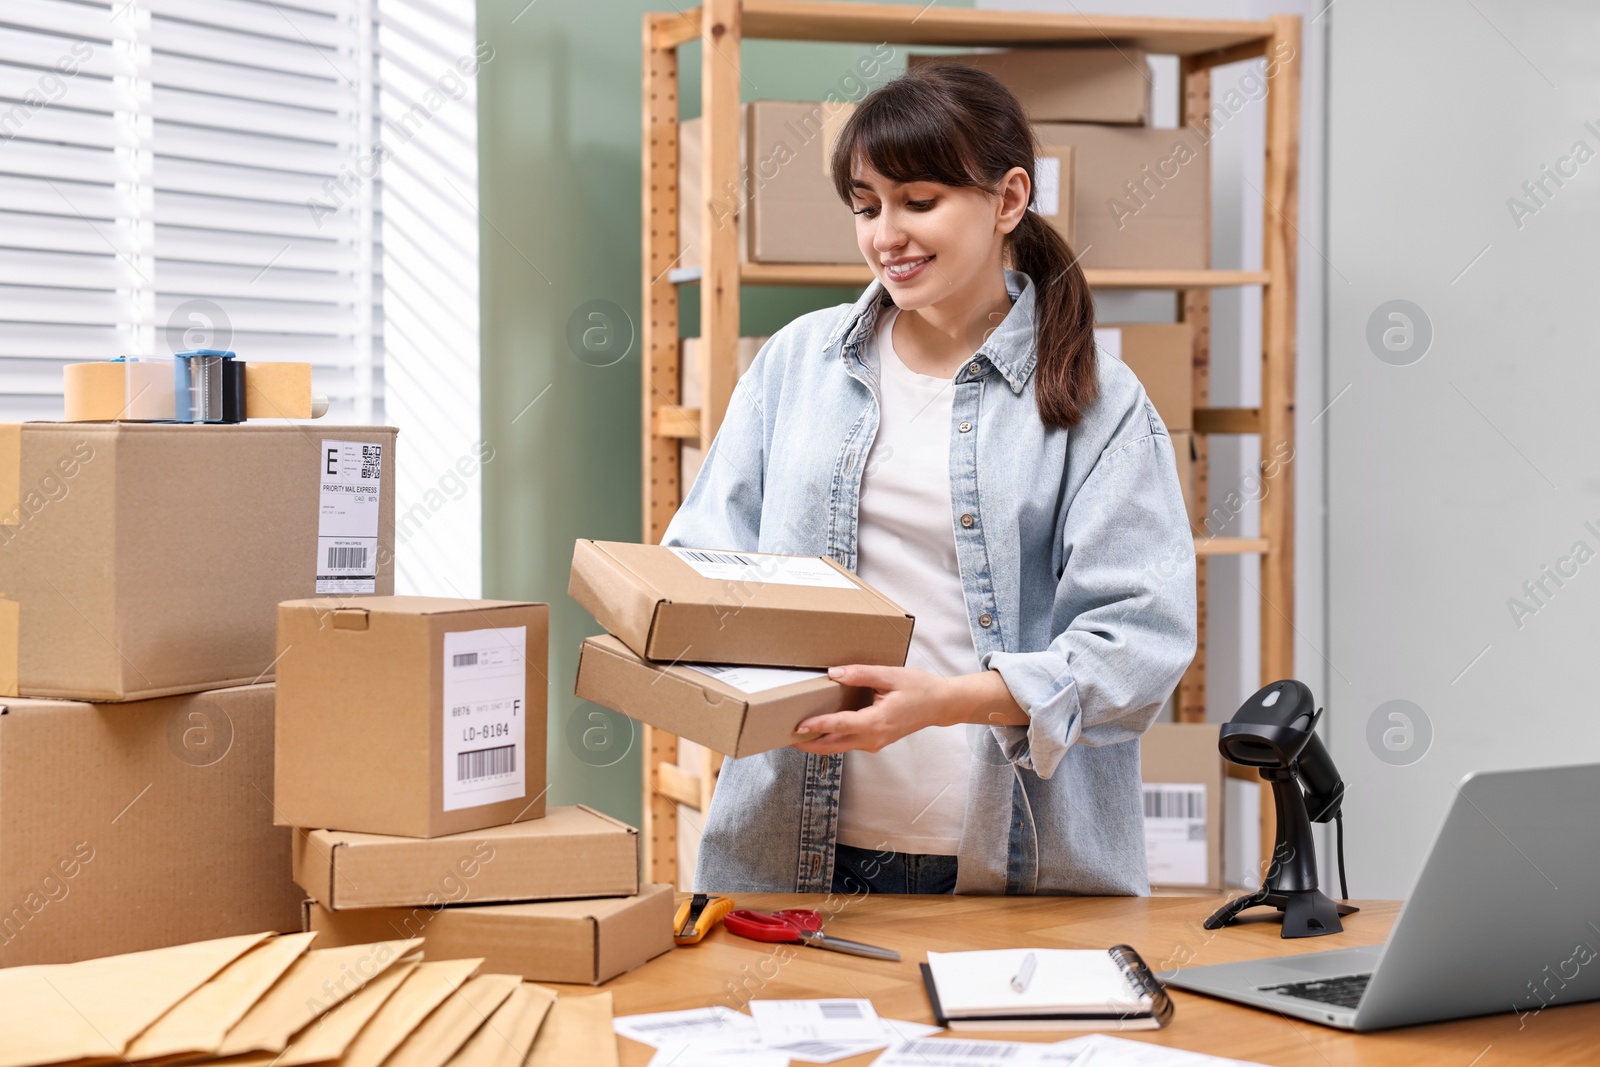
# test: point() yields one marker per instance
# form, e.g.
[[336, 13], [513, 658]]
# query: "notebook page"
[[1064, 980]]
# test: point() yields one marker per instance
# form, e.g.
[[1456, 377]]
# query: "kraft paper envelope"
[[428, 987], [315, 983], [200, 1021], [577, 1030], [69, 1011], [327, 1038], [506, 1039], [463, 1014]]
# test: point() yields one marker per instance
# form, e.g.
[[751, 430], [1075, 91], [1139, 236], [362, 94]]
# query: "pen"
[[1024, 975]]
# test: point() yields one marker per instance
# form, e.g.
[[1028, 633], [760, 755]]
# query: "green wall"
[[559, 130]]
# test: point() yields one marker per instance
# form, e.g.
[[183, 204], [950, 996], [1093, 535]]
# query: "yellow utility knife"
[[697, 915]]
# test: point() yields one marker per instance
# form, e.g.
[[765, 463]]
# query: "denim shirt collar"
[[1009, 349]]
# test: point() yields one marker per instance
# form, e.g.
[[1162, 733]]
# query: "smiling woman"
[[956, 439]]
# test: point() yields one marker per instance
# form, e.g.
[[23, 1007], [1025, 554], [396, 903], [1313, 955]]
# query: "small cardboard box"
[[584, 942], [1161, 354], [139, 561], [138, 826], [414, 716], [737, 711], [1109, 85], [747, 608], [1142, 196], [571, 852], [1183, 805]]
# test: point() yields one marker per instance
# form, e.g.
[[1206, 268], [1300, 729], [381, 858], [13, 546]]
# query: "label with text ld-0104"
[[761, 567], [347, 521], [485, 716]]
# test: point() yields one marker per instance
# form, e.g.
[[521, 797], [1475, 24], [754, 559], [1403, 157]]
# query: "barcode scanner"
[[1275, 732]]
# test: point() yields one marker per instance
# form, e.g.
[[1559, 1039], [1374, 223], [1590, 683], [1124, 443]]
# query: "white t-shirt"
[[912, 796]]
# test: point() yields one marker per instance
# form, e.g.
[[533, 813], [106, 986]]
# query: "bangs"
[[903, 139]]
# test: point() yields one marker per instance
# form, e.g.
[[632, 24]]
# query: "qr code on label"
[[371, 461]]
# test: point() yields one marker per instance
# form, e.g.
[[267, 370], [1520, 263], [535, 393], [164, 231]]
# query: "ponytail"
[[1065, 381]]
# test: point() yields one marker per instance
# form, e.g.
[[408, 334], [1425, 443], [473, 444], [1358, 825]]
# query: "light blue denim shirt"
[[1078, 567]]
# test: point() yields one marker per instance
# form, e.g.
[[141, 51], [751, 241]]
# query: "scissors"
[[798, 924]]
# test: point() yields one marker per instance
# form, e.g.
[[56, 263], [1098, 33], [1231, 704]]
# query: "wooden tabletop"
[[731, 971]]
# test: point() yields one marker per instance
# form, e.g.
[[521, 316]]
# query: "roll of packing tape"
[[125, 390]]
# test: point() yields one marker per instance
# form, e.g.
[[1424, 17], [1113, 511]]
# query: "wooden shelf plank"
[[818, 20], [1229, 546], [1227, 420], [851, 274]]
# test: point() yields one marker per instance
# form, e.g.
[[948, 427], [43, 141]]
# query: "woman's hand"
[[904, 700]]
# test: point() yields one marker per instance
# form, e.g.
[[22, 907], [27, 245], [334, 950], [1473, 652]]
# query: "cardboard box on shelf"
[[1161, 354], [1142, 196], [1183, 777], [1108, 85], [1054, 189], [571, 852], [138, 826], [734, 710], [139, 561], [749, 608], [413, 716], [785, 205], [584, 942], [1183, 448]]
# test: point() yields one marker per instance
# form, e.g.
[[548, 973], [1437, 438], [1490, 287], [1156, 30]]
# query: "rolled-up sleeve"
[[723, 508], [1125, 609]]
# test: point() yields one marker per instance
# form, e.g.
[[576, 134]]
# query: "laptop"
[[1505, 917]]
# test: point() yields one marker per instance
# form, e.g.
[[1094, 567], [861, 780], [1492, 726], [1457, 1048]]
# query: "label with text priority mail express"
[[485, 716], [347, 521], [758, 567]]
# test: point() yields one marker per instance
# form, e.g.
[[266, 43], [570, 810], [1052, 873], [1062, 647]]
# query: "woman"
[[956, 439]]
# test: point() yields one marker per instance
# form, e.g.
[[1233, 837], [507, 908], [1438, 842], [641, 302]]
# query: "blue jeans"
[[862, 869]]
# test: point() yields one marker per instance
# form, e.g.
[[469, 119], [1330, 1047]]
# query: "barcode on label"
[[464, 659], [928, 1049], [343, 558], [485, 762], [839, 1009], [1168, 802], [720, 557], [371, 461]]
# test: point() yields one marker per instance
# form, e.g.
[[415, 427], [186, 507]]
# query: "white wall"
[[1457, 478]]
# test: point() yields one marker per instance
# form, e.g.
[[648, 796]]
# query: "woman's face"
[[926, 241]]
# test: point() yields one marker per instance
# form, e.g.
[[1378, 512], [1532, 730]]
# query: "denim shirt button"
[[965, 426], [967, 521], [974, 368], [985, 620]]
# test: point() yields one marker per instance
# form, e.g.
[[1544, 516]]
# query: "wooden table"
[[728, 970]]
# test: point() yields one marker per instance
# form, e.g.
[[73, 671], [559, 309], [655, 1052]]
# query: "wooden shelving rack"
[[670, 420]]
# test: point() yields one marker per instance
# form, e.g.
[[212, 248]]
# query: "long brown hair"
[[959, 126]]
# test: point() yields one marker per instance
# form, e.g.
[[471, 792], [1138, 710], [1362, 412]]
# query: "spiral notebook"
[[1066, 989]]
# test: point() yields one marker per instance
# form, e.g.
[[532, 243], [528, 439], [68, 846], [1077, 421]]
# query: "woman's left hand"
[[904, 700]]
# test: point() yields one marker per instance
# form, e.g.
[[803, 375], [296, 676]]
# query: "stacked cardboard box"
[[411, 761], [728, 649], [1162, 356], [140, 568]]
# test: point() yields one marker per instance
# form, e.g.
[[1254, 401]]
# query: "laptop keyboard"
[[1344, 992]]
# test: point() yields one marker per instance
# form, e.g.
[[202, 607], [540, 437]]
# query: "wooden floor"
[[729, 970]]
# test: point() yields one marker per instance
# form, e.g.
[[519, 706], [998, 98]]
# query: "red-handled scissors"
[[798, 925]]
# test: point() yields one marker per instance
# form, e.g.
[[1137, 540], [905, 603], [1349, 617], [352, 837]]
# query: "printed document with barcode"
[[783, 1021], [351, 476], [1175, 845], [762, 567], [485, 716]]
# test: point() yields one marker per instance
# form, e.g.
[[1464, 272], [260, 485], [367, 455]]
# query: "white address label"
[[1175, 842], [756, 679], [485, 716], [757, 567], [351, 476]]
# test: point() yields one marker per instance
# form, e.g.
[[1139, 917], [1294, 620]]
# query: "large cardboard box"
[[1067, 84], [138, 826], [584, 942], [144, 560], [1161, 355], [737, 711], [1184, 792], [571, 852], [414, 716], [748, 608], [1142, 196]]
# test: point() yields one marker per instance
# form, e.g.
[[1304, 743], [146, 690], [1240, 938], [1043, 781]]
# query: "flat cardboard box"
[[725, 711], [139, 561], [748, 608], [571, 852], [1183, 805], [364, 741], [1110, 85], [1142, 196], [138, 826], [1161, 355], [584, 942]]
